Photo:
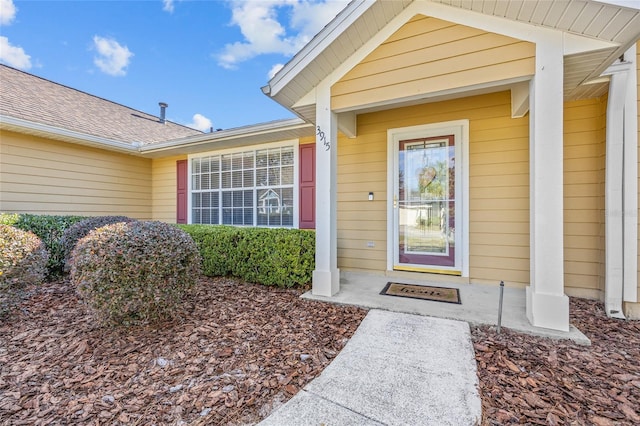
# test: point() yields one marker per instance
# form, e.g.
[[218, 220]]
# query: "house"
[[484, 141]]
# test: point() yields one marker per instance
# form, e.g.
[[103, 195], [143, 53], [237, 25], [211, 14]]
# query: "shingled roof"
[[28, 97]]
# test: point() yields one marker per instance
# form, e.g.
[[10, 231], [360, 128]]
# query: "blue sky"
[[206, 59]]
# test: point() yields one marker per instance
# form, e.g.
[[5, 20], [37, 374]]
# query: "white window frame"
[[461, 129], [293, 143]]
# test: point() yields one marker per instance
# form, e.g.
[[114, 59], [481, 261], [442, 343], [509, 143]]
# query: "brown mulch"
[[532, 380], [239, 351]]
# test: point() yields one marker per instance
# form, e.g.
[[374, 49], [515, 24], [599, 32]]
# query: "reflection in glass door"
[[426, 201]]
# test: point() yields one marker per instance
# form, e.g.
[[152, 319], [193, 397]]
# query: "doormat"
[[436, 294]]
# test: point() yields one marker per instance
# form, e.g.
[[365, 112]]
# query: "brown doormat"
[[437, 294]]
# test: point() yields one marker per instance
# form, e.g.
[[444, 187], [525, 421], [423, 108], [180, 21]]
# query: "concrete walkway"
[[411, 362], [397, 369]]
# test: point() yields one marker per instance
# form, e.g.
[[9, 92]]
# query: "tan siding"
[[584, 151], [499, 186], [163, 189], [633, 309], [429, 55], [307, 139], [48, 177]]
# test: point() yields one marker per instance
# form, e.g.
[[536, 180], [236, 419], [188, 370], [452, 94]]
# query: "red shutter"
[[308, 186], [181, 186]]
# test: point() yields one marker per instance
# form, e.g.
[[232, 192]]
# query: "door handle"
[[395, 201]]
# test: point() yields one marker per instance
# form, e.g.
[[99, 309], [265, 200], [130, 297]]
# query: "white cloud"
[[167, 6], [200, 122], [7, 12], [13, 55], [265, 31], [112, 58], [274, 70]]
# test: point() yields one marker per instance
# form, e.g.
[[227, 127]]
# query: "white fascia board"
[[317, 45], [238, 133], [573, 44], [52, 132]]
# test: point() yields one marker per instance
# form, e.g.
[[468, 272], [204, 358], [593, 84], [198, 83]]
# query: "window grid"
[[250, 188]]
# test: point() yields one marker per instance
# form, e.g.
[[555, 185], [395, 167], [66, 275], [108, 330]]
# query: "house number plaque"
[[321, 135]]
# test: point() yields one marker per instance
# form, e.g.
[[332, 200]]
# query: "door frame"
[[460, 130]]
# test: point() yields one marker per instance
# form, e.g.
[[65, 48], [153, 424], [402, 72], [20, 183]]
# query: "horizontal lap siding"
[[43, 176], [499, 186], [362, 168], [164, 187], [636, 306], [584, 162], [430, 55]]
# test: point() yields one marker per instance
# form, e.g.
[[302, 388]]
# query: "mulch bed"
[[239, 351], [531, 380]]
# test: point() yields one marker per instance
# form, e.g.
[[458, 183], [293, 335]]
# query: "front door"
[[425, 202]]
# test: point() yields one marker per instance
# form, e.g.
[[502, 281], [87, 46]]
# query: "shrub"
[[279, 257], [135, 272], [9, 218], [23, 261], [49, 229], [78, 230], [217, 246]]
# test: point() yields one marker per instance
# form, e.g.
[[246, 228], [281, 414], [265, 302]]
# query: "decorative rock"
[[108, 399], [162, 362], [205, 412], [304, 357], [175, 388]]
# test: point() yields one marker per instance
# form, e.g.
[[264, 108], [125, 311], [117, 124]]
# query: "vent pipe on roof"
[[163, 111]]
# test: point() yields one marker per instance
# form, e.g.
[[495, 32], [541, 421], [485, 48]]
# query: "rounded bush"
[[136, 272], [75, 232], [23, 261]]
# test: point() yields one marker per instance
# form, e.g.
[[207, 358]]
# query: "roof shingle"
[[28, 97]]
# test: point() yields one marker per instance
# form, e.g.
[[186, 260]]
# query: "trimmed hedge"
[[135, 272], [270, 256], [49, 229], [23, 261], [79, 230]]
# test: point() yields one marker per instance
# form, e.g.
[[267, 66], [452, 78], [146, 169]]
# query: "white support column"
[[631, 180], [547, 305], [326, 277], [614, 205], [621, 186]]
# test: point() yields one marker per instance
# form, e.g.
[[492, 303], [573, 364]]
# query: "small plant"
[[78, 230], [23, 261], [136, 272]]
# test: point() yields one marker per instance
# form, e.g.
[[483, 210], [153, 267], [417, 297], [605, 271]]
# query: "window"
[[251, 188]]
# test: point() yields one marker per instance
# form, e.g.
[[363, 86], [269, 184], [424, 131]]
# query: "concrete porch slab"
[[479, 303]]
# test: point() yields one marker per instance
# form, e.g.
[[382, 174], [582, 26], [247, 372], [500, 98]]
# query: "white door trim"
[[459, 128]]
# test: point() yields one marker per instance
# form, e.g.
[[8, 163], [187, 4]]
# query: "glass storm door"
[[426, 204]]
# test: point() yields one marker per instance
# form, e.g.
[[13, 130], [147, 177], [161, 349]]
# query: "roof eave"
[[57, 133], [311, 50], [269, 131]]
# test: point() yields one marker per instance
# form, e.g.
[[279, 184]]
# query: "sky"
[[207, 59]]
